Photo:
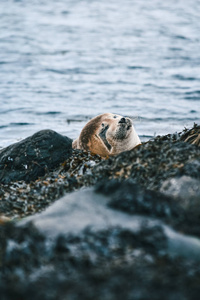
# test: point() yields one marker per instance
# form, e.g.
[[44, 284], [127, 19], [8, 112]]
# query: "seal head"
[[107, 134]]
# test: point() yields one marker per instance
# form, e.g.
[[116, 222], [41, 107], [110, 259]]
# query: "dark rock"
[[191, 168], [185, 194], [185, 189], [178, 203], [119, 240], [34, 156], [133, 199], [81, 248], [149, 164], [91, 209], [20, 199]]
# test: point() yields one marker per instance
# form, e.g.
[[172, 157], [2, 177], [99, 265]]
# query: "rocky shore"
[[125, 227]]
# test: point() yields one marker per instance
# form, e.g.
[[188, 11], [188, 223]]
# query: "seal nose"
[[123, 120]]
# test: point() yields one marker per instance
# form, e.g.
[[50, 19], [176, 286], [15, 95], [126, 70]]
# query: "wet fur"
[[106, 135]]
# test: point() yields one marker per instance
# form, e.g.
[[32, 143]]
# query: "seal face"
[[107, 134]]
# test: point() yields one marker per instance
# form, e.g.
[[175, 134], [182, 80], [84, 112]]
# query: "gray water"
[[65, 61]]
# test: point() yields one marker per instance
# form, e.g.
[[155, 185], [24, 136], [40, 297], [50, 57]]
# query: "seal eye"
[[115, 117], [102, 125]]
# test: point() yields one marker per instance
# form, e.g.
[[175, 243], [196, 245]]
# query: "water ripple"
[[63, 62]]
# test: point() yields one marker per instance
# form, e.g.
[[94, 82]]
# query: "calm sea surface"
[[63, 62]]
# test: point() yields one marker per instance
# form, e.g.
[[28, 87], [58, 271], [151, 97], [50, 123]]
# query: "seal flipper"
[[102, 135]]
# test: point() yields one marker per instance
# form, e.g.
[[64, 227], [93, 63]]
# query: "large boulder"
[[34, 156], [185, 189], [111, 242], [113, 204]]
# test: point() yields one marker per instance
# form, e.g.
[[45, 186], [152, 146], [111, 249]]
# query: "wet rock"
[[133, 199], [182, 214], [20, 199], [191, 168], [130, 237], [149, 164], [185, 189], [185, 192], [92, 209], [82, 248], [34, 156]]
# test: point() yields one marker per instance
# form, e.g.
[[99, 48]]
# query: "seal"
[[107, 134]]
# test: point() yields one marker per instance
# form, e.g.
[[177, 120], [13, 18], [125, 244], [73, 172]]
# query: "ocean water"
[[65, 61]]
